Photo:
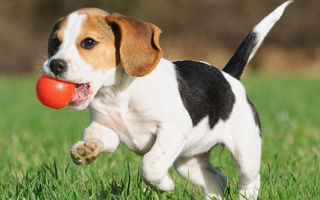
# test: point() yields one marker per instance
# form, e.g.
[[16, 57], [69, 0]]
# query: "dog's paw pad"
[[91, 146], [81, 151], [85, 152]]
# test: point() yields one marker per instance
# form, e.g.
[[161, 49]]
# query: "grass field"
[[35, 142]]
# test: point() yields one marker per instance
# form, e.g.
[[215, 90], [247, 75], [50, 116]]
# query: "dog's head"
[[89, 45]]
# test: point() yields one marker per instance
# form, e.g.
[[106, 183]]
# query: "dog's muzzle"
[[58, 66]]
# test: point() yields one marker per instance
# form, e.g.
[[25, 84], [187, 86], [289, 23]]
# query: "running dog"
[[171, 113]]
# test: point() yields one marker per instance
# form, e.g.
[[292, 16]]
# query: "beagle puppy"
[[171, 113]]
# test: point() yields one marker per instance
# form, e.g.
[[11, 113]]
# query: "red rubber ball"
[[54, 93]]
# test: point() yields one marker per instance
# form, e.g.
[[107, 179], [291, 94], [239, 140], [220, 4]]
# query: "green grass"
[[35, 142]]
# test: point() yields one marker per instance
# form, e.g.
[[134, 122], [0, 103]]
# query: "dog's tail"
[[252, 42]]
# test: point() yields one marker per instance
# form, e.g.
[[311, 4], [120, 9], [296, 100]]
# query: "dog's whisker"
[[41, 55]]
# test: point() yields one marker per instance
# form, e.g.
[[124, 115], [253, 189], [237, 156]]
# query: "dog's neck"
[[122, 79], [115, 87]]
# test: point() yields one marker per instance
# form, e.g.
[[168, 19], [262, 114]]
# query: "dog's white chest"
[[133, 130], [139, 136]]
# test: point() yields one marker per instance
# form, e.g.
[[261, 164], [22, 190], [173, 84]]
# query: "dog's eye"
[[88, 43], [56, 43]]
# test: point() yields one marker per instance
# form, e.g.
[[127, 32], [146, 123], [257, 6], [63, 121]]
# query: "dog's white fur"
[[147, 115]]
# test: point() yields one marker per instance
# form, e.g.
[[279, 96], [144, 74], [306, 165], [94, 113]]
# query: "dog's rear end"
[[235, 124]]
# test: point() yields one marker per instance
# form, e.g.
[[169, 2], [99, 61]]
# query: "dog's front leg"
[[95, 139], [160, 158]]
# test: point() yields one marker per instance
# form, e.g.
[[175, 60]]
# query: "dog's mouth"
[[81, 93]]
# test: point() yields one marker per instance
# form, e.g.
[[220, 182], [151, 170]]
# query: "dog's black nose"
[[58, 66]]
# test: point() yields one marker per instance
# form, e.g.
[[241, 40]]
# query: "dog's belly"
[[138, 136], [140, 143], [201, 138]]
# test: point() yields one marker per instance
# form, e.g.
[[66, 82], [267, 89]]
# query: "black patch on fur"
[[204, 91], [239, 60], [255, 114]]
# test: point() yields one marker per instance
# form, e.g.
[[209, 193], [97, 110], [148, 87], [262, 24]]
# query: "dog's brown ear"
[[140, 51]]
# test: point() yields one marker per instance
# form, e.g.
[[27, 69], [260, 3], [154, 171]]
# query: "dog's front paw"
[[85, 152], [165, 185]]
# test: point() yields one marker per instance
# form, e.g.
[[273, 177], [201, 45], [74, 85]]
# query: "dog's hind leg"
[[246, 154], [199, 171]]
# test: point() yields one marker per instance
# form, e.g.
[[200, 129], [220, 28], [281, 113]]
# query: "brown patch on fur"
[[140, 51], [56, 32], [104, 55], [92, 12]]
